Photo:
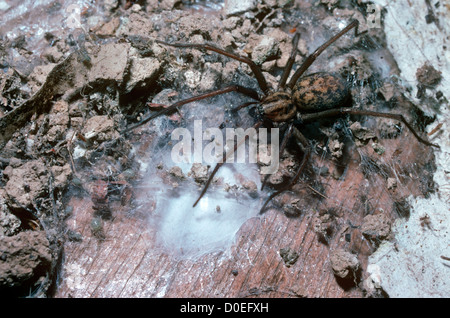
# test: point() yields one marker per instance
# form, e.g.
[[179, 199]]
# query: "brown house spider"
[[313, 97]]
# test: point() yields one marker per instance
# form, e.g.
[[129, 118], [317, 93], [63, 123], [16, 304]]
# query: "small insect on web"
[[302, 100]]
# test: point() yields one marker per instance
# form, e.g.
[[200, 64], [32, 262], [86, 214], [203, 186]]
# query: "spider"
[[300, 101]]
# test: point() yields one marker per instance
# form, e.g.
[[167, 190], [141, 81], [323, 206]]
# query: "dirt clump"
[[344, 264], [24, 259], [428, 76], [26, 183], [199, 172], [376, 227]]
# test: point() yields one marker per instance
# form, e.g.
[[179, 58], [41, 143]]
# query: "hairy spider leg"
[[232, 88], [312, 57], [340, 111], [303, 144], [219, 164], [255, 69], [290, 62], [243, 106], [286, 137]]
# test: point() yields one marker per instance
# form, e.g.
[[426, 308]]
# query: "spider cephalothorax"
[[278, 107]]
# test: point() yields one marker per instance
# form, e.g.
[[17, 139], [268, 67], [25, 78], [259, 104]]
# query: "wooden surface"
[[129, 263]]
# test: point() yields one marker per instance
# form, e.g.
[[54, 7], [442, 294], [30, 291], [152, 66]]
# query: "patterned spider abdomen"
[[320, 91]]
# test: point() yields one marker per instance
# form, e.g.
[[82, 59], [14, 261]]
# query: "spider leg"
[[290, 62], [233, 88], [205, 188], [339, 111], [312, 57], [255, 68], [286, 137], [219, 164], [243, 106], [302, 142]]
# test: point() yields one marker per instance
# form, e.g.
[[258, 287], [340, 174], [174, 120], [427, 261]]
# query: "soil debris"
[[376, 227], [289, 256], [343, 263], [199, 172], [26, 183], [428, 76], [24, 259], [177, 172], [362, 134], [324, 224]]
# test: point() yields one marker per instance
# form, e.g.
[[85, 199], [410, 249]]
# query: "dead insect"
[[300, 101]]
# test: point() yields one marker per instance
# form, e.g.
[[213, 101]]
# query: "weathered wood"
[[128, 263]]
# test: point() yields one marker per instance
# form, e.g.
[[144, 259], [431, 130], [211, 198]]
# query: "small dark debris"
[[402, 208], [289, 256], [428, 76], [74, 236]]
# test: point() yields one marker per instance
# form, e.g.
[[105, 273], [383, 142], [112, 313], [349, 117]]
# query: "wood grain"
[[129, 262]]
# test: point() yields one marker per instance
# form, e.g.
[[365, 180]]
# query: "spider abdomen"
[[320, 91]]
